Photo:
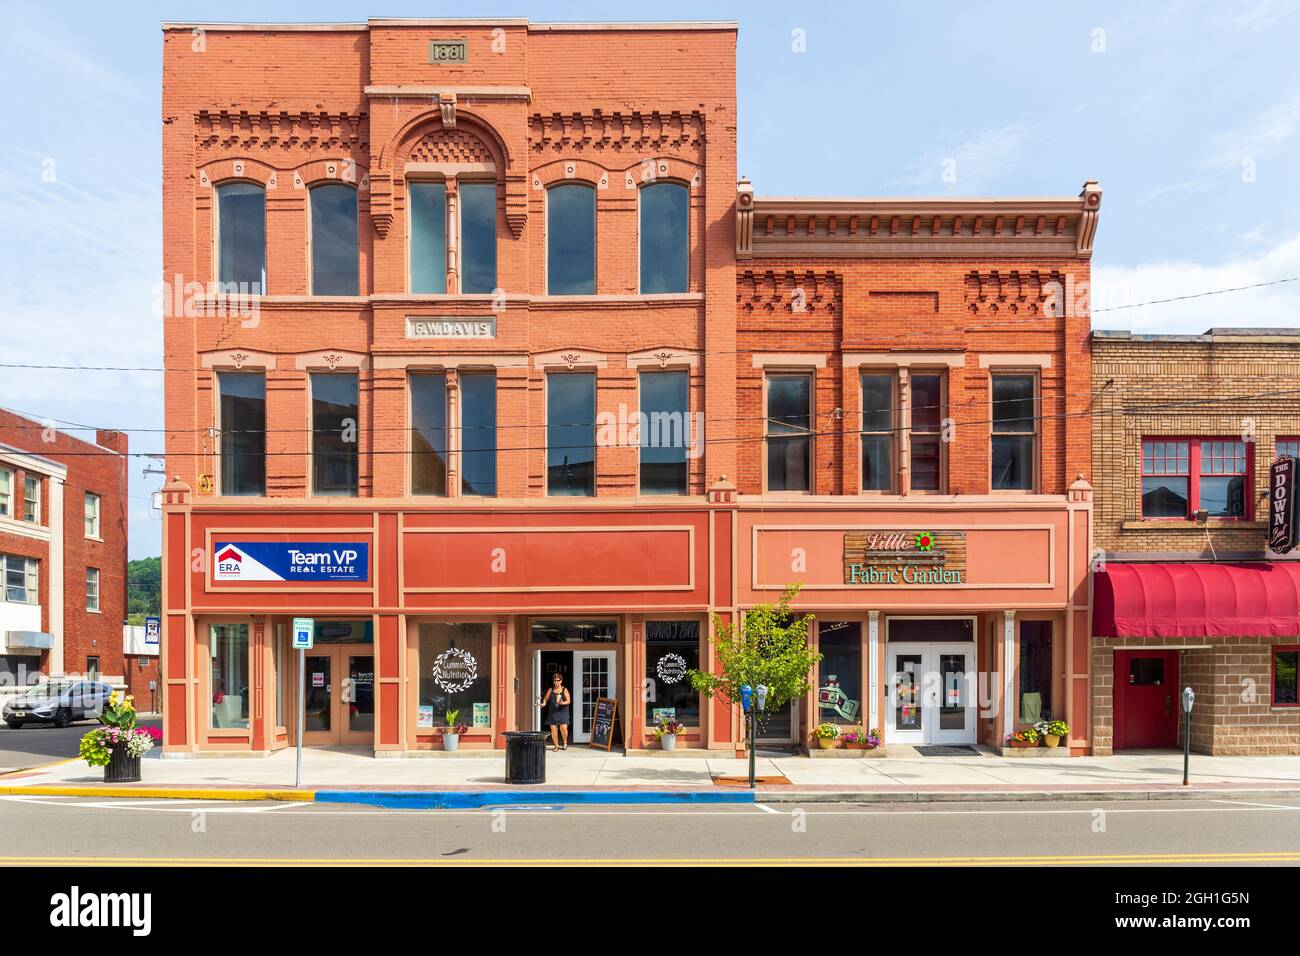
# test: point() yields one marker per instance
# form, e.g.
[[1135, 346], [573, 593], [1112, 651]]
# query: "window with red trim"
[[1285, 691], [1288, 446], [1184, 475]]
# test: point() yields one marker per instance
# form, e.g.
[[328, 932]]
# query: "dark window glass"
[[665, 233], [335, 425], [428, 212], [1013, 432], [927, 418], [455, 674], [1284, 677], [1164, 497], [1146, 671], [877, 432], [672, 649], [571, 433], [1165, 486], [839, 688], [478, 235], [789, 439], [241, 237], [1223, 478], [478, 433], [1035, 671], [573, 632], [571, 239], [334, 240], [243, 432], [665, 433], [937, 630], [428, 433]]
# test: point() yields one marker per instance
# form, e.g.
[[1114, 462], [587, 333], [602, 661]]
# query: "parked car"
[[58, 703]]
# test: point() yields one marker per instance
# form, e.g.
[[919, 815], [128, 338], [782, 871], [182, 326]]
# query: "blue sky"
[[1188, 114]]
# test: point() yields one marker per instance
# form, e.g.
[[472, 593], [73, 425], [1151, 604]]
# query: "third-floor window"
[[241, 237], [334, 261], [473, 256], [571, 239], [664, 237]]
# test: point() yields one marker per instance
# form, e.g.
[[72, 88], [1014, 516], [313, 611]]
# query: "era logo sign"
[[229, 562]]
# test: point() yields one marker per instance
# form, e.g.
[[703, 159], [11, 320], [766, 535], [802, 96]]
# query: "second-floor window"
[[789, 432], [430, 428], [243, 432], [926, 436], [21, 585], [32, 499], [1183, 476], [335, 429], [571, 434], [334, 256], [92, 589], [6, 493], [1288, 446], [92, 515], [664, 241], [1014, 432], [878, 461], [478, 433], [428, 392], [241, 237], [571, 239], [665, 432]]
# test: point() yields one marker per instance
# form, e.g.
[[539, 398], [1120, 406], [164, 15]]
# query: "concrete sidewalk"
[[975, 776]]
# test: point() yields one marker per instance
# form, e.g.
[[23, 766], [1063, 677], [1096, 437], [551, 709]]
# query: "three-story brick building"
[[481, 357]]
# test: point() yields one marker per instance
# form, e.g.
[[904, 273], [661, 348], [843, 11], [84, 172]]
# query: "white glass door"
[[931, 694], [594, 675]]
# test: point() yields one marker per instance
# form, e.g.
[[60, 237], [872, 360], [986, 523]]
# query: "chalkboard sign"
[[603, 722]]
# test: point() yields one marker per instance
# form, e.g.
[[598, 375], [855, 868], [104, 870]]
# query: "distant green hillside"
[[144, 589]]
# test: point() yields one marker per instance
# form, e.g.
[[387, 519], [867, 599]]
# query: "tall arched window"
[[665, 237], [571, 239], [241, 237], [334, 269], [428, 250]]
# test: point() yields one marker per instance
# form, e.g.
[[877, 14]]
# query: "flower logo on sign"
[[671, 668], [455, 670], [924, 541]]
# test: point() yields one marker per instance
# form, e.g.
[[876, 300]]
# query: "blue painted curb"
[[476, 799]]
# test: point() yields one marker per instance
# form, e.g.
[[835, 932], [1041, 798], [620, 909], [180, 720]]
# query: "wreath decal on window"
[[455, 670], [671, 668]]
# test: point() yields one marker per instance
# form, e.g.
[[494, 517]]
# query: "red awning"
[[1197, 600]]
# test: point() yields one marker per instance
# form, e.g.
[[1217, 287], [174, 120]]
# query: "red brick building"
[[63, 543], [489, 364]]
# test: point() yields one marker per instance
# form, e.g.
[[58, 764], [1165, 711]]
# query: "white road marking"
[[765, 807], [1266, 806]]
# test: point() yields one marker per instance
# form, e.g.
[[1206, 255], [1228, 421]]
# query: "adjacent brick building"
[[469, 274], [63, 541], [1185, 428]]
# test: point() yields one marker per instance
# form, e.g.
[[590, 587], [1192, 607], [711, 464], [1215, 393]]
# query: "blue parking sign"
[[304, 633], [152, 630]]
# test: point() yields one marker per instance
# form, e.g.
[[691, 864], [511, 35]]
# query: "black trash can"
[[525, 756]]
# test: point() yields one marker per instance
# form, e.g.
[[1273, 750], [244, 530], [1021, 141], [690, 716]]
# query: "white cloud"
[[970, 166], [1272, 306], [1259, 136]]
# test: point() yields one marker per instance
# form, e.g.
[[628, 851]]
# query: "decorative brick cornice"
[[618, 130], [885, 228], [787, 291], [1014, 292], [223, 129]]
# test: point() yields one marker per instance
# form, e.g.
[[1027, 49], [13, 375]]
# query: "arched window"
[[571, 239], [665, 237], [334, 240], [428, 211], [478, 237], [241, 237]]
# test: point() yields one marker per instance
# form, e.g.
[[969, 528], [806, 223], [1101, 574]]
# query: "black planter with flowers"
[[118, 744], [121, 767]]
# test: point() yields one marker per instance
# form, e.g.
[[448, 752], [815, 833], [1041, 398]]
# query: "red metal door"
[[1146, 699]]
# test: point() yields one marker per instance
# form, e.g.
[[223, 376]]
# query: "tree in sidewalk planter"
[[117, 730], [770, 647]]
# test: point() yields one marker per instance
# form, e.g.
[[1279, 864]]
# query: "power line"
[[1198, 295]]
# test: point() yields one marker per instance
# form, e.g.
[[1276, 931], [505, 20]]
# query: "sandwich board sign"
[[304, 633]]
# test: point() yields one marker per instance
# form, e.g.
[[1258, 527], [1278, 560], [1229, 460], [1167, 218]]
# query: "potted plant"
[[667, 730], [854, 739], [1023, 738], [118, 744], [1052, 731], [452, 731], [827, 735], [873, 738]]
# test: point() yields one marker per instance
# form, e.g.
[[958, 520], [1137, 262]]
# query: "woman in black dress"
[[556, 701]]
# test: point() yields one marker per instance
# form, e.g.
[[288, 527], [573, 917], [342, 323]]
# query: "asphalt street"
[[69, 830], [36, 744]]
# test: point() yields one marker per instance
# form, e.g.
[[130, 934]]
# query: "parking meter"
[[761, 691], [746, 692], [1189, 698]]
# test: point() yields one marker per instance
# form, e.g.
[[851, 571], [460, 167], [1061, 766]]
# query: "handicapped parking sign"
[[152, 629], [304, 633]]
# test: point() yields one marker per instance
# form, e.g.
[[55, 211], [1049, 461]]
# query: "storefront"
[[1229, 631]]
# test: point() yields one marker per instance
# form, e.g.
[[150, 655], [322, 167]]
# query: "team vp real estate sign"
[[903, 557], [291, 561]]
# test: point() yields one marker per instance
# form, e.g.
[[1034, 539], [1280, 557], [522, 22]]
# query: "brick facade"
[[1236, 384]]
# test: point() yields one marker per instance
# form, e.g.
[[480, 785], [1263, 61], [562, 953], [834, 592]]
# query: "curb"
[[1022, 796], [162, 793], [473, 800]]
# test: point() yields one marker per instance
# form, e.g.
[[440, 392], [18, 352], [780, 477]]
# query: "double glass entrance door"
[[589, 675], [339, 695], [932, 694]]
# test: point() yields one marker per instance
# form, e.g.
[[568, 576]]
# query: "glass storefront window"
[[1035, 671], [228, 646], [839, 683], [455, 674], [574, 632], [672, 649]]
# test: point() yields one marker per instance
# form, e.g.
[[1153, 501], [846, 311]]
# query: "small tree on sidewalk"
[[769, 647]]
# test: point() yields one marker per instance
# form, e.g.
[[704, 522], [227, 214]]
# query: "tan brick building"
[[1184, 430]]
